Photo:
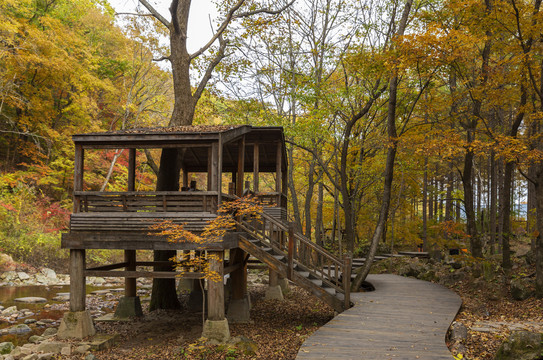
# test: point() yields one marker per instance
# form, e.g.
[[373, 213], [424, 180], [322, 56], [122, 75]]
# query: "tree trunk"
[[449, 200], [389, 167], [309, 198], [319, 233], [475, 242], [164, 295], [539, 239], [425, 206], [493, 201]]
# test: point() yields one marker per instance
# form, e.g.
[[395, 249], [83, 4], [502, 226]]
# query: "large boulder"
[[521, 345], [6, 347], [520, 289]]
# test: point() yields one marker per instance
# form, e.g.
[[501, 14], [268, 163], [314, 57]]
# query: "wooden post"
[[256, 167], [219, 170], [185, 178], [241, 167], [131, 169], [290, 250], [214, 159], [278, 173], [77, 280], [239, 276], [215, 296], [79, 162], [347, 263], [130, 289]]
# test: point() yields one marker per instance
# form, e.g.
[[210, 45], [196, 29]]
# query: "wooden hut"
[[223, 155]]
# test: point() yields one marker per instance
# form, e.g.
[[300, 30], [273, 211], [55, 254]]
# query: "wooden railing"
[[158, 201], [303, 253]]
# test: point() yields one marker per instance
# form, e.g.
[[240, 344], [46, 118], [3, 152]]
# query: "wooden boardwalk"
[[403, 318]]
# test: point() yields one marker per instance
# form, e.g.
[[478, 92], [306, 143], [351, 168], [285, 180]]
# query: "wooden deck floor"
[[403, 318]]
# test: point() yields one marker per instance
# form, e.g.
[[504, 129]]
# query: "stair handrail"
[[340, 266]]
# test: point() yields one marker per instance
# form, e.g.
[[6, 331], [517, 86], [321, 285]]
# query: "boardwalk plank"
[[402, 319]]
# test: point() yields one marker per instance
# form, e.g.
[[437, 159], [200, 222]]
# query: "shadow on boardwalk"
[[403, 318]]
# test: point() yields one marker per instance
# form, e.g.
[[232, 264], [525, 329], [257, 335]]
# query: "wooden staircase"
[[297, 258]]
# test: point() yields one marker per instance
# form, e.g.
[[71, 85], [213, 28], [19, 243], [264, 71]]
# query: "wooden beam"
[[236, 133], [109, 267], [77, 280], [144, 274], [256, 167], [241, 167], [215, 299]]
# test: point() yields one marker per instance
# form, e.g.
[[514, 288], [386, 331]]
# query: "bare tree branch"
[[207, 76], [162, 58], [132, 14], [220, 30], [264, 11], [155, 13]]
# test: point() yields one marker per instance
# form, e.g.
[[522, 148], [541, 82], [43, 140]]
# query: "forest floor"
[[279, 328], [277, 331]]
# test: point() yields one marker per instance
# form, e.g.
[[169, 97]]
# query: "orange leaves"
[[214, 231]]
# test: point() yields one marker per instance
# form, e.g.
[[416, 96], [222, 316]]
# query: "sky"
[[199, 29]]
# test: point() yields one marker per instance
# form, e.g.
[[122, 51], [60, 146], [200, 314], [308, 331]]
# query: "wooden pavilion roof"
[[196, 140]]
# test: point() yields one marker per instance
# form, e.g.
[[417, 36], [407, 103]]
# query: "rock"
[[7, 263], [67, 350], [46, 356], [31, 357], [100, 292], [8, 357], [47, 321], [42, 279], [96, 281], [90, 357], [9, 311], [6, 347], [458, 348], [245, 345], [520, 290], [81, 349], [31, 300], [54, 347], [49, 332], [30, 321], [459, 332], [35, 339], [521, 345], [49, 273], [8, 276], [23, 276], [19, 329]]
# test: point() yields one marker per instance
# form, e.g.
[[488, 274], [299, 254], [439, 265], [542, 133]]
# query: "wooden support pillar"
[[256, 167], [131, 169], [219, 170], [215, 298], [278, 172], [239, 276], [213, 167], [130, 288], [77, 280], [241, 167], [185, 178], [130, 255], [79, 162]]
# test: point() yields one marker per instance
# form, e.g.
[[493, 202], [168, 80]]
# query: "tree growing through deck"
[[199, 261]]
